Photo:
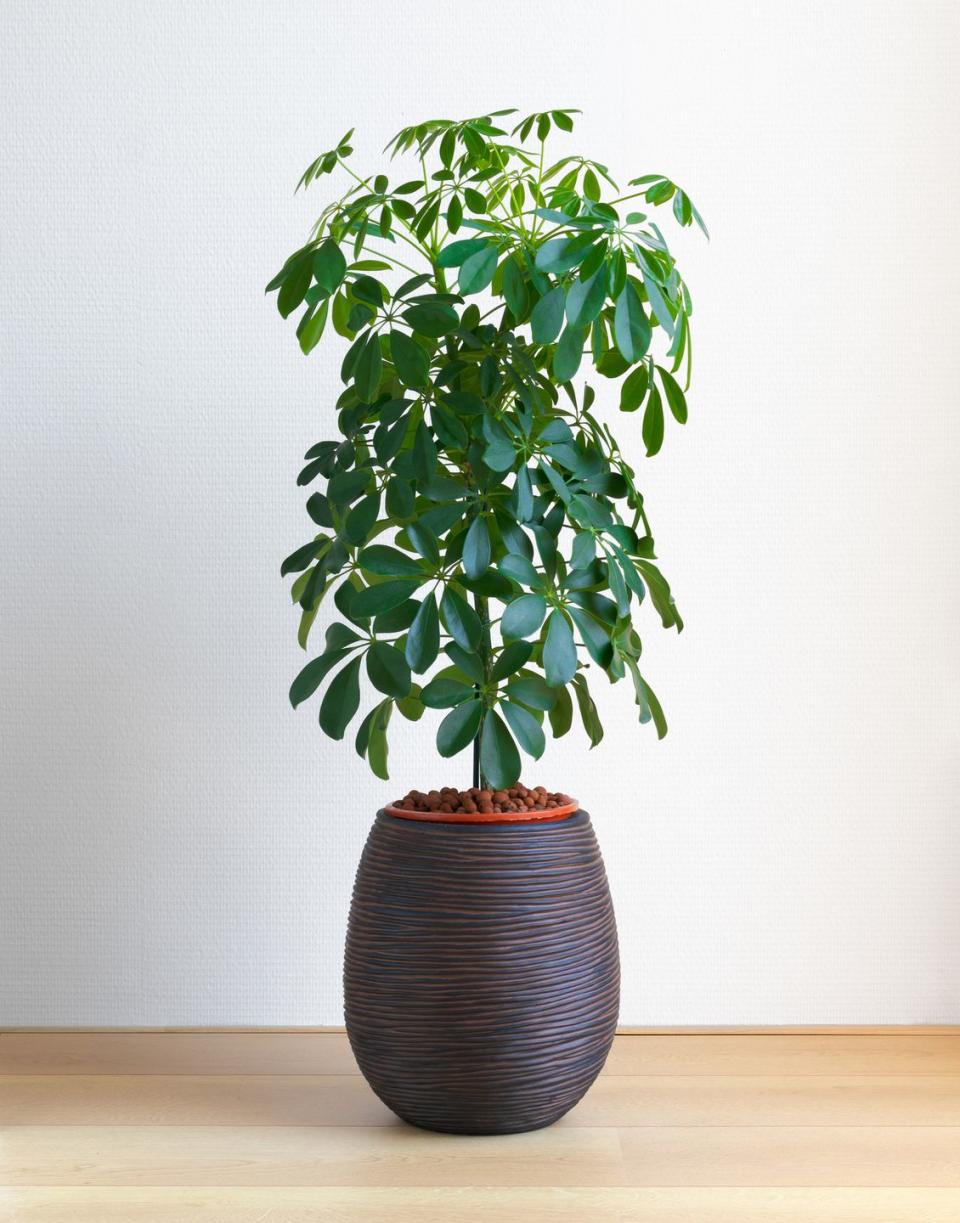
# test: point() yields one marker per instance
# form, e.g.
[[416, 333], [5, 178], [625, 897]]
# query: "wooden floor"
[[280, 1128]]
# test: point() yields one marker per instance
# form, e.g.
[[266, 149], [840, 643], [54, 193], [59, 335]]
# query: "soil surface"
[[448, 799]]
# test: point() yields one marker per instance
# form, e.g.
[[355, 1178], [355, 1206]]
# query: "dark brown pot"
[[481, 975]]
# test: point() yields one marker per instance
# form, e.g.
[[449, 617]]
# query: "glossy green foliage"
[[481, 535]]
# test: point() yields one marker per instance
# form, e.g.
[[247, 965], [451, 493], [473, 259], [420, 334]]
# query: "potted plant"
[[485, 544]]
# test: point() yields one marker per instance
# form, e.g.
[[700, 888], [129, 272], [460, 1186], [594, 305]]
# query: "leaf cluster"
[[479, 531]]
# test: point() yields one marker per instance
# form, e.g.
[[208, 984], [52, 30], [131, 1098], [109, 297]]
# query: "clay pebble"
[[449, 800]]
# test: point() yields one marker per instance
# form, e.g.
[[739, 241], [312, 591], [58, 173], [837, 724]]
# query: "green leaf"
[[559, 255], [526, 728], [468, 661], [294, 287], [634, 389], [307, 617], [346, 486], [329, 266], [519, 569], [584, 550], [341, 701], [523, 616], [477, 270], [653, 423], [499, 758], [524, 495], [514, 288], [660, 594], [561, 714], [367, 371], [547, 317], [594, 637], [425, 542], [411, 362], [301, 558], [339, 635], [500, 453], [397, 618], [675, 396], [318, 507], [476, 549], [631, 327], [433, 319], [531, 689], [567, 358], [585, 299], [400, 498], [411, 707], [699, 220], [292, 266], [444, 693], [424, 452], [474, 200], [557, 482], [362, 741], [456, 253], [377, 743], [559, 651], [385, 561], [459, 728], [450, 431], [423, 639], [311, 329], [465, 404], [646, 694], [361, 518], [491, 584], [612, 364], [618, 273], [658, 305], [388, 669], [588, 711], [661, 191], [460, 620], [618, 586], [313, 675], [380, 598], [370, 291], [512, 657]]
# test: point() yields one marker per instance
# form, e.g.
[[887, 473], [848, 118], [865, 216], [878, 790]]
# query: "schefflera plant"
[[481, 533]]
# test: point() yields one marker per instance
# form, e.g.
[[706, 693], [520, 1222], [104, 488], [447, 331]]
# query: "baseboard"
[[850, 1029]]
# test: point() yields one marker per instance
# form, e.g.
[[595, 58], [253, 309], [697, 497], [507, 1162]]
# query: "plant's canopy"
[[481, 534]]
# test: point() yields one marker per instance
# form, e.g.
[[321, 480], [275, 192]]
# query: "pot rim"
[[486, 817]]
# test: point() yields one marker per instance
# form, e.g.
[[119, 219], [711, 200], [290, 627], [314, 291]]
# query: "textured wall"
[[177, 845]]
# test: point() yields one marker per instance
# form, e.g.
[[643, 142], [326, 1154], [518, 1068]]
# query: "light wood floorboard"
[[258, 1127], [615, 1100], [304, 1155], [470, 1205], [248, 1053]]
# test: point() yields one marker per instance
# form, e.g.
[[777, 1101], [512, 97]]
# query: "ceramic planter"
[[481, 975]]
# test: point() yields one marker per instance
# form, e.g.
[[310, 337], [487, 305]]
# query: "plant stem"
[[485, 652]]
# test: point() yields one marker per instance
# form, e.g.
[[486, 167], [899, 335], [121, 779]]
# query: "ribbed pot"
[[481, 975]]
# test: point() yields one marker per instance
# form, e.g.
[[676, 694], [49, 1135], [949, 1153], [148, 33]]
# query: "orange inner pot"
[[484, 817]]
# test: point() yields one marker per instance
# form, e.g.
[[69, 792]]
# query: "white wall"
[[177, 845]]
